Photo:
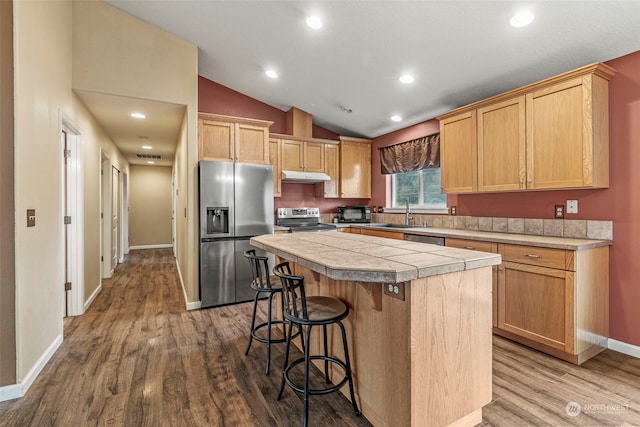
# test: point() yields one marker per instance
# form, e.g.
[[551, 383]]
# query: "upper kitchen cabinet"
[[330, 189], [355, 167], [233, 139], [553, 134], [458, 153], [301, 155], [501, 141], [275, 161]]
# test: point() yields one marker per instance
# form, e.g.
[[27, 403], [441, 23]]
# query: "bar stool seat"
[[310, 311], [264, 284]]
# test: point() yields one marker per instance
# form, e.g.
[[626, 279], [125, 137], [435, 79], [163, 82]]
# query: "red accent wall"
[[215, 98], [619, 203]]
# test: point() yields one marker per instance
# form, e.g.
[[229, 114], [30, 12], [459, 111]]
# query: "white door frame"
[[105, 215], [124, 216], [74, 200]]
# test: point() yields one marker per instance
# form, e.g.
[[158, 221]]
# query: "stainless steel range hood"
[[304, 177]]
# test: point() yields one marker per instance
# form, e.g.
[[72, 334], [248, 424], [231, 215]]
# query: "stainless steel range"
[[302, 219]]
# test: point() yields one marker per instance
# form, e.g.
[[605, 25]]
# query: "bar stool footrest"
[[327, 390]]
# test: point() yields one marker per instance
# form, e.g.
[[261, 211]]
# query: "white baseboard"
[[93, 296], [623, 347], [195, 305], [161, 246], [15, 391]]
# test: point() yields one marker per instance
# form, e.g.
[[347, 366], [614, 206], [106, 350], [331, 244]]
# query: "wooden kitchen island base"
[[419, 327], [421, 357]]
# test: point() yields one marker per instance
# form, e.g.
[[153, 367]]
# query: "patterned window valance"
[[414, 155]]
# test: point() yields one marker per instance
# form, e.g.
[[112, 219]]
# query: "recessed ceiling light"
[[314, 22], [272, 74], [138, 116], [147, 147], [406, 78], [396, 118], [522, 18], [151, 162]]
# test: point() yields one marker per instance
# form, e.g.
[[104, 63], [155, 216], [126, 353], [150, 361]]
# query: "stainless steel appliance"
[[302, 219], [236, 203], [434, 240], [354, 214]]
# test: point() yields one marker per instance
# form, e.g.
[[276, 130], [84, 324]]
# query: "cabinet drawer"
[[544, 257], [473, 245]]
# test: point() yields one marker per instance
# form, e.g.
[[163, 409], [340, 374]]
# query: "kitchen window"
[[421, 188]]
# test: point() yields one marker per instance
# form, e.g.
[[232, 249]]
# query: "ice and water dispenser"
[[218, 220]]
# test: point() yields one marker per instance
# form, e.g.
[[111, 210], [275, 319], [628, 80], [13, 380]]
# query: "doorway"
[[72, 204]]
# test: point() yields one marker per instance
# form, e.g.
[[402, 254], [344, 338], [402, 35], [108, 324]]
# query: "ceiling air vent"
[[149, 156]]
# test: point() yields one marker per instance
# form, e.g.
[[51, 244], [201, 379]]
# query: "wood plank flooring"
[[138, 358]]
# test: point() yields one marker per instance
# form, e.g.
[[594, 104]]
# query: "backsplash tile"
[[554, 227], [515, 225], [575, 228], [579, 229], [600, 230], [533, 226]]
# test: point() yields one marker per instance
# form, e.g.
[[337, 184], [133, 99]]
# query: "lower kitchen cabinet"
[[555, 300], [382, 233], [484, 247]]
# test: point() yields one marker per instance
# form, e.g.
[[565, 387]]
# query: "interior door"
[[115, 218]]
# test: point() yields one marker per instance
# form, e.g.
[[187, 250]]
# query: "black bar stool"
[[312, 311], [263, 283]]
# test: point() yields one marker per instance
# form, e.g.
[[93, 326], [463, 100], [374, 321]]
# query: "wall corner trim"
[[15, 391], [190, 305], [93, 296], [623, 347]]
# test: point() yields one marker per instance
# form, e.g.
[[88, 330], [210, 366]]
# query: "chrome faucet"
[[408, 216]]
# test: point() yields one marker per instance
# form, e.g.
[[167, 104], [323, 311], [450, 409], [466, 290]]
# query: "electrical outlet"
[[558, 211], [453, 210]]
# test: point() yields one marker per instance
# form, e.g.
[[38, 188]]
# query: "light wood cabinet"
[[501, 141], [492, 247], [299, 155], [555, 300], [355, 167], [551, 134], [458, 153], [329, 189], [274, 159], [233, 139]]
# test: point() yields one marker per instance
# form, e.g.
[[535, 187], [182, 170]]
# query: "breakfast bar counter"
[[419, 327]]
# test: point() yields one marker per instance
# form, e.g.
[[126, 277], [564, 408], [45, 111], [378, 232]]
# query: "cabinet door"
[[274, 159], [292, 155], [484, 247], [459, 153], [355, 169], [216, 140], [313, 157], [537, 303], [558, 151], [331, 168], [252, 144], [501, 146]]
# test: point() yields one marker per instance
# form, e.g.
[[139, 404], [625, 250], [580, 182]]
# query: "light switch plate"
[[572, 206]]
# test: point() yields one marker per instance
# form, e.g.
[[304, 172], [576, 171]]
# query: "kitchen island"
[[419, 329]]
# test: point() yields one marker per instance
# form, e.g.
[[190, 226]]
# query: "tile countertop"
[[515, 239], [345, 256]]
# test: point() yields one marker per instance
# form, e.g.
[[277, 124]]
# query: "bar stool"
[[263, 283], [312, 311]]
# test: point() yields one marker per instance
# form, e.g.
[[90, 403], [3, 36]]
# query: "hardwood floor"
[[137, 357]]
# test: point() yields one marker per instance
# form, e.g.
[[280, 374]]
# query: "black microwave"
[[354, 214]]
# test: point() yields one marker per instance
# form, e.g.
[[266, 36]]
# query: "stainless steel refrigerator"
[[236, 203]]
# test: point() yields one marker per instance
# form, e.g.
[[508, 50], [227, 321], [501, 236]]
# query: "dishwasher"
[[424, 239]]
